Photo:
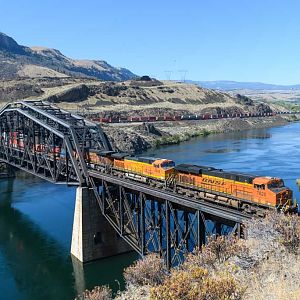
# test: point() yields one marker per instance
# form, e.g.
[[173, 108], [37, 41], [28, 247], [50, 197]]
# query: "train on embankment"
[[186, 117]]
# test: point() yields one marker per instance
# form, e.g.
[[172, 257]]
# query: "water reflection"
[[23, 247], [224, 150], [35, 236]]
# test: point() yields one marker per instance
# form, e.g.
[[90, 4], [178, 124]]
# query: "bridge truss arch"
[[47, 141]]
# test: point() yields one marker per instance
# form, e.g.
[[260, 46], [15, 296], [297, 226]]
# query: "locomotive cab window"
[[168, 164], [259, 186], [276, 184]]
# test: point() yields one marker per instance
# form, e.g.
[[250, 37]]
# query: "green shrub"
[[177, 138]]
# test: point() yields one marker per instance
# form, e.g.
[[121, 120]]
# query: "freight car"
[[249, 193]]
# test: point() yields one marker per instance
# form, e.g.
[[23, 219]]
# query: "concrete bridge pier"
[[6, 171], [93, 237]]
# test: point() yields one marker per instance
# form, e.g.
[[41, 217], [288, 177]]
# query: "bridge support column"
[[6, 171], [93, 237]]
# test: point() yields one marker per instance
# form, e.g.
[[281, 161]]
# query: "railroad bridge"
[[112, 215]]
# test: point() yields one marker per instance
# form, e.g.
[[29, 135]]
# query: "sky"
[[241, 40]]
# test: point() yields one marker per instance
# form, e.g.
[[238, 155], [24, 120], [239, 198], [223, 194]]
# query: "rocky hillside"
[[18, 61], [138, 97], [145, 96], [141, 96]]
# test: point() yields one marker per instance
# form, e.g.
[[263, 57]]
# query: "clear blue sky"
[[242, 40]]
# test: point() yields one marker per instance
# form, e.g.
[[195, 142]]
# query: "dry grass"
[[98, 293], [266, 266], [196, 283], [218, 250], [149, 271], [274, 251]]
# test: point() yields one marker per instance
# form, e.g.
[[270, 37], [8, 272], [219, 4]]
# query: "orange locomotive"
[[243, 191], [261, 191], [144, 168]]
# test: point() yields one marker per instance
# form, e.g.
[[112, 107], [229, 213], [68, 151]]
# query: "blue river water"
[[36, 216], [268, 152]]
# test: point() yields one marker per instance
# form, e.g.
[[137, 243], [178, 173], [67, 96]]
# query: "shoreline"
[[141, 137]]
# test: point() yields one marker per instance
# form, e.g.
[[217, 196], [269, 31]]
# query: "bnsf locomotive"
[[249, 193]]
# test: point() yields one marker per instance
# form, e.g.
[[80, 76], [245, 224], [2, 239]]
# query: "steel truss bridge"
[[147, 218]]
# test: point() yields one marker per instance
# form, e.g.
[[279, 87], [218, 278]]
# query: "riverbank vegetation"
[[293, 118], [178, 138], [138, 138], [288, 105], [266, 265]]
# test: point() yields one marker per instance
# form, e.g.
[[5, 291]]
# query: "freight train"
[[185, 117], [249, 193], [245, 192]]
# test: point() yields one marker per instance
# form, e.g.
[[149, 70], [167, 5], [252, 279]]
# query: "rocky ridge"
[[17, 61]]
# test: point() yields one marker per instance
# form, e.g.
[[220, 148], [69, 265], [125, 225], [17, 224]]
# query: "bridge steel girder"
[[26, 125], [158, 221]]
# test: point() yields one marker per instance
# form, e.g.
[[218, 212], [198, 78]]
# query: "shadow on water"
[[33, 265]]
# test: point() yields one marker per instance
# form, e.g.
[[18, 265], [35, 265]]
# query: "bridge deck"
[[197, 204]]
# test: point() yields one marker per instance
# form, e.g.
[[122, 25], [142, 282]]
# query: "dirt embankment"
[[136, 138]]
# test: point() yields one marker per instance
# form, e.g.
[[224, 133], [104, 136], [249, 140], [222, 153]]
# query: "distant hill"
[[225, 85], [17, 61]]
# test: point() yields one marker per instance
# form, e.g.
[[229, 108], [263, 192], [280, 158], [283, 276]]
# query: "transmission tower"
[[182, 74], [168, 74]]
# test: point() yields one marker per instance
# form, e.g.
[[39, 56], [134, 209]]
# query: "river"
[[36, 216]]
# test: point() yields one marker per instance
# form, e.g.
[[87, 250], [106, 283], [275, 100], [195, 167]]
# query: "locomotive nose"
[[287, 194], [285, 197]]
